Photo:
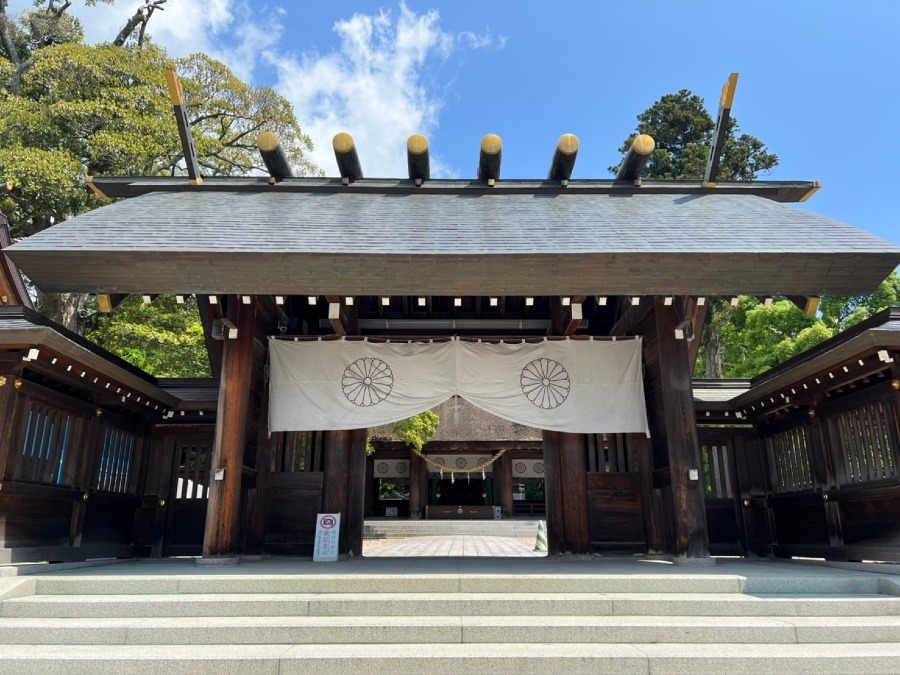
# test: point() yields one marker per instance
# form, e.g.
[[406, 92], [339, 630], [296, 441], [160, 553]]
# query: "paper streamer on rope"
[[565, 385]]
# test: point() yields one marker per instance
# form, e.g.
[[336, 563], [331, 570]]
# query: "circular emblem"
[[382, 467], [539, 467], [520, 467], [461, 462], [482, 460], [401, 467], [440, 460], [367, 382], [545, 383]]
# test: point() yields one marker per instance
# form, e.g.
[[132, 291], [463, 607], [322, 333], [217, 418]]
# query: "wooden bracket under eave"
[[808, 304], [813, 190], [89, 184]]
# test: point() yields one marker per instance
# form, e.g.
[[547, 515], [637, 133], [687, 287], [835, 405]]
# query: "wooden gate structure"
[[98, 459]]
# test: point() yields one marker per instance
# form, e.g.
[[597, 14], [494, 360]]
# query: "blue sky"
[[819, 82]]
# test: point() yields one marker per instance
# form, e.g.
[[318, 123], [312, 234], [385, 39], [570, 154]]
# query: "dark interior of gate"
[[98, 459]]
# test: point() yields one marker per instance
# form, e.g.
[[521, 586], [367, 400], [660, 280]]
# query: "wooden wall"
[[615, 512], [72, 477]]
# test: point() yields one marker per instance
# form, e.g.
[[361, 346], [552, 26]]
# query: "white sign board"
[[328, 528]]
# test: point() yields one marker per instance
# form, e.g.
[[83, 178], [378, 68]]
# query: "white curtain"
[[578, 386]]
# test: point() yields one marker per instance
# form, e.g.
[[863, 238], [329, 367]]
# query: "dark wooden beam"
[[343, 490], [553, 492], [565, 319], [721, 132], [566, 485], [176, 93], [12, 288], [417, 159], [220, 537], [564, 158], [346, 157], [505, 486], [697, 314], [415, 486], [273, 156], [209, 313], [638, 155], [808, 304], [489, 158], [631, 316], [686, 467], [135, 186], [651, 501], [343, 319]]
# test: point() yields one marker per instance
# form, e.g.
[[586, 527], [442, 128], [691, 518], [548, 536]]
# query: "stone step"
[[447, 604], [447, 630], [321, 582], [395, 583], [461, 659], [391, 529]]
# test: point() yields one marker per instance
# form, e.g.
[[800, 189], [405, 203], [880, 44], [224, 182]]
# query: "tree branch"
[[139, 18], [6, 35]]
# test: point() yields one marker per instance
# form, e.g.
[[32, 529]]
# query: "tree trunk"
[[66, 309], [711, 345]]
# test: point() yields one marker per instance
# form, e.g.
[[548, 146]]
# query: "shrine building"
[[554, 323]]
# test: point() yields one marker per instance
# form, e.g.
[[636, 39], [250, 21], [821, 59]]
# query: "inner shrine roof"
[[442, 242]]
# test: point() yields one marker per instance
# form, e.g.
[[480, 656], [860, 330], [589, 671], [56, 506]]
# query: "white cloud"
[[225, 29], [379, 84], [376, 85]]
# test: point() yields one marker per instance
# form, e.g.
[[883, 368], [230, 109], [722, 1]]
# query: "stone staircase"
[[396, 528], [541, 618]]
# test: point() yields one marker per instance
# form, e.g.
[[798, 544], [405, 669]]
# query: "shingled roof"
[[454, 241]]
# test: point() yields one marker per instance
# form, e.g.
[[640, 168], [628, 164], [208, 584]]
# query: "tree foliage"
[[417, 430], [68, 110], [683, 130], [755, 337], [746, 340], [165, 338]]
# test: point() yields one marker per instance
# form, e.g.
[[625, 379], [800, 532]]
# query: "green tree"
[[417, 430], [840, 312], [68, 110], [165, 338], [683, 131]]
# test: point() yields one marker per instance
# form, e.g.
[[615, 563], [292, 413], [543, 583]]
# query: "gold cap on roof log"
[[346, 157], [417, 158], [638, 155], [489, 159], [564, 158]]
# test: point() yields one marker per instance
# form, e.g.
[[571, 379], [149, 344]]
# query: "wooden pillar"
[[343, 489], [9, 419], [220, 538], [651, 503], [371, 487], [415, 485], [503, 485], [257, 498], [424, 488], [162, 454], [565, 487], [356, 498], [552, 492], [823, 475], [686, 469]]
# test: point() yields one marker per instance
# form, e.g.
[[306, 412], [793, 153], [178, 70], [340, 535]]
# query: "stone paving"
[[456, 546]]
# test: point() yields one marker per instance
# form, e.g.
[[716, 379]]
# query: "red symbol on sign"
[[328, 522]]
